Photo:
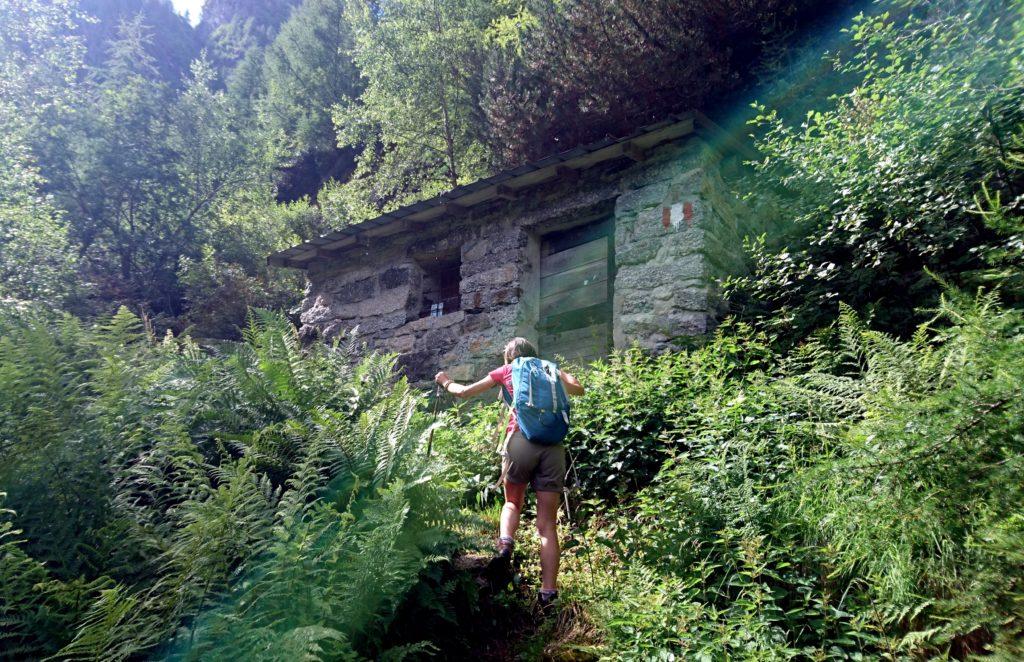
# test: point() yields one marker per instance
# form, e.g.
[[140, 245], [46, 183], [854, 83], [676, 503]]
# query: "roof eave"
[[503, 185]]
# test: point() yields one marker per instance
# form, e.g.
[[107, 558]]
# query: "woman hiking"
[[541, 465]]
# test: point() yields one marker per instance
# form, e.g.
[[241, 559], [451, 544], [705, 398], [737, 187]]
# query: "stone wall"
[[378, 290], [674, 234]]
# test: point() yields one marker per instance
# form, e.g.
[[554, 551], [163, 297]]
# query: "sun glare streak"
[[192, 9]]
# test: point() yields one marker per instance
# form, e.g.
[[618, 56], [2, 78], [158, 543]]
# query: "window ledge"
[[425, 323]]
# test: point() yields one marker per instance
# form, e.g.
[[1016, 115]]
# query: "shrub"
[[178, 501], [465, 438], [219, 295], [879, 185], [628, 421], [859, 500]]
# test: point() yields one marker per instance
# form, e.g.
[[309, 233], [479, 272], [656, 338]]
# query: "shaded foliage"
[[38, 64], [880, 186], [307, 69], [116, 171], [233, 28], [98, 23], [585, 69], [854, 499], [626, 425], [829, 513], [173, 499]]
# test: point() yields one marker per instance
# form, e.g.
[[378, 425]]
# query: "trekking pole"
[[568, 518], [433, 418]]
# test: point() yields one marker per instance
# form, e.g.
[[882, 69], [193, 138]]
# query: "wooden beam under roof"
[[567, 174], [454, 209], [635, 146], [505, 193], [715, 134], [340, 243], [633, 151], [323, 253]]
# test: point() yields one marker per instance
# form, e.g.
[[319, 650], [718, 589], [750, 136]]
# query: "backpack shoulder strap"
[[500, 440], [505, 394], [504, 414]]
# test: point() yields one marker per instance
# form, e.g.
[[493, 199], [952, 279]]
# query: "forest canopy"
[[154, 164]]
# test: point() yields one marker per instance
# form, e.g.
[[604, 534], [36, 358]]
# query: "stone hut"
[[606, 245]]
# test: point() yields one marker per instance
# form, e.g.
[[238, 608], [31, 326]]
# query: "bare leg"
[[547, 527], [514, 495]]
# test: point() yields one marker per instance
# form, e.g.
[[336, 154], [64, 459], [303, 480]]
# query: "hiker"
[[540, 464]]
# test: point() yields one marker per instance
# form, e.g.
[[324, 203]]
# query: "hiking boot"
[[546, 599], [504, 549], [499, 569]]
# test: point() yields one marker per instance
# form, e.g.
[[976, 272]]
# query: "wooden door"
[[576, 268]]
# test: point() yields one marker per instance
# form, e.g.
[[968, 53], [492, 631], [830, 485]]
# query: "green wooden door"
[[576, 267]]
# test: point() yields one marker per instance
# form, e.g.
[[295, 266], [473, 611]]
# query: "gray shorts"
[[543, 467]]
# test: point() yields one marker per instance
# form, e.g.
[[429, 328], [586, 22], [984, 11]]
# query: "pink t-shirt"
[[503, 376]]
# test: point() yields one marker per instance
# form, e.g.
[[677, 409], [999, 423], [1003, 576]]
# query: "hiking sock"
[[546, 596]]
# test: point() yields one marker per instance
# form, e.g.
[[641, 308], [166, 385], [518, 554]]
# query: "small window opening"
[[441, 276]]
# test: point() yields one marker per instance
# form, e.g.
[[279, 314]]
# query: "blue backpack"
[[539, 400]]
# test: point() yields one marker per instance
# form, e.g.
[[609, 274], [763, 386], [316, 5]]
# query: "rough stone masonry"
[[673, 232]]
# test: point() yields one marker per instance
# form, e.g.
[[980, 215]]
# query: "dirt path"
[[508, 624]]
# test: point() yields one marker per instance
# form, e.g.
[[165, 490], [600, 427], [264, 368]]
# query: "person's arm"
[[460, 391], [572, 385]]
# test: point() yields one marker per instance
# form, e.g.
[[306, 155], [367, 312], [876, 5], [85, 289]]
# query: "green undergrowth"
[[856, 498], [260, 500]]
